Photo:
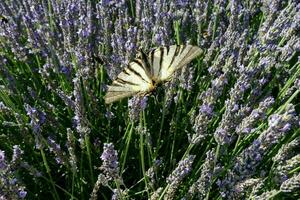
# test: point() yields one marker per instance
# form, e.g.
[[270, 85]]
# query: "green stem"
[[163, 193], [119, 189], [73, 180], [88, 151], [215, 162], [131, 8], [281, 108], [289, 82], [55, 195], [142, 156], [128, 136], [215, 24], [176, 28], [237, 144]]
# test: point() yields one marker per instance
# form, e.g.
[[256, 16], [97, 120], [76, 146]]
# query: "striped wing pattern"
[[142, 74], [135, 78], [166, 60]]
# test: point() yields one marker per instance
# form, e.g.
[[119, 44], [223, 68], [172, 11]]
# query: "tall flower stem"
[[88, 151], [127, 136], [55, 195], [142, 154]]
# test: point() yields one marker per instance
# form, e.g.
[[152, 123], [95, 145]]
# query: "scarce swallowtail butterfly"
[[142, 75]]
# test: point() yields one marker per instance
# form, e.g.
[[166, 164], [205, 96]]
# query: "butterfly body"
[[144, 73]]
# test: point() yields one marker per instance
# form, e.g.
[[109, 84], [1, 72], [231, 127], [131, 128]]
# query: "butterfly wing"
[[135, 78], [165, 60]]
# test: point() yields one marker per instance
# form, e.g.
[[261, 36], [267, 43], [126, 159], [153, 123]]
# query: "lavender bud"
[[136, 105], [248, 123], [22, 194], [102, 180], [2, 160], [291, 185], [176, 177], [17, 152], [202, 185], [287, 151], [156, 194], [71, 150], [282, 170], [110, 165], [60, 155]]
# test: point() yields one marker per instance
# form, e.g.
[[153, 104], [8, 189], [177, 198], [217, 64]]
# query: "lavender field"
[[226, 126]]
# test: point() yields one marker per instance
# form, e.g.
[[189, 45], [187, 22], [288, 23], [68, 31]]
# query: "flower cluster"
[[225, 126], [110, 165], [176, 177], [11, 186], [201, 186], [246, 164]]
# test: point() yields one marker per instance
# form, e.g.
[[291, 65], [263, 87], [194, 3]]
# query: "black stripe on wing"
[[161, 49], [146, 64], [123, 82], [168, 49], [139, 63], [183, 48], [152, 61], [174, 56], [185, 56]]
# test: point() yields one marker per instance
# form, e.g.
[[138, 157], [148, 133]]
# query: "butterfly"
[[145, 72]]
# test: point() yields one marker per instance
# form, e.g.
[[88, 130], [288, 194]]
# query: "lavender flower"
[[186, 78], [153, 171], [80, 116], [136, 105], [3, 108], [292, 184], [17, 153], [37, 119], [56, 149], [266, 195], [156, 194], [119, 194], [248, 123], [245, 186], [22, 194], [11, 186], [71, 149], [247, 162], [110, 165], [66, 98], [202, 185], [176, 177], [2, 160], [286, 151], [110, 169], [281, 172], [209, 98], [100, 181]]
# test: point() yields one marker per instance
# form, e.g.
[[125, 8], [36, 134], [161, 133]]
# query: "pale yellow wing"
[[165, 60], [135, 78]]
